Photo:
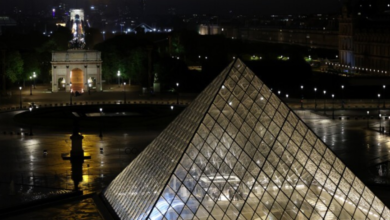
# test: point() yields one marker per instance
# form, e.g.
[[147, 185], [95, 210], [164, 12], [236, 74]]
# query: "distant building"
[[5, 22], [360, 34], [364, 36]]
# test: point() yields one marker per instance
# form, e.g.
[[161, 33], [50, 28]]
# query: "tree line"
[[138, 57]]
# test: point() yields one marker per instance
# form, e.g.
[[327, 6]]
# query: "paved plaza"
[[25, 168]]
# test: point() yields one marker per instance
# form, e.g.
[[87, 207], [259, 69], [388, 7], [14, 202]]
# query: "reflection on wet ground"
[[33, 168], [356, 141]]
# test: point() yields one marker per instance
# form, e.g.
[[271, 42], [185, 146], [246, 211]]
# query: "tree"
[[14, 66], [111, 63], [136, 66], [30, 65]]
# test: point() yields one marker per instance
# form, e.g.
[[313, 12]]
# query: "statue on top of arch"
[[77, 25]]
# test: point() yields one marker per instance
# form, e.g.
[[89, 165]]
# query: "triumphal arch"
[[77, 69]]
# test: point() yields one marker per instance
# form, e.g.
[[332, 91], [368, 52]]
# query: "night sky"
[[249, 6], [258, 7]]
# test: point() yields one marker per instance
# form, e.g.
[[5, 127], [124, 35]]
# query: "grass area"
[[129, 117]]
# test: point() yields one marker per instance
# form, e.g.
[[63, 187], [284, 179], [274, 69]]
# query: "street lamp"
[[379, 100], [286, 96], [342, 96], [30, 85], [315, 98], [70, 88], [301, 96], [332, 106], [119, 75], [324, 102], [177, 98], [20, 100], [380, 123], [34, 76], [368, 118], [89, 88], [124, 93], [384, 87], [101, 113], [31, 133]]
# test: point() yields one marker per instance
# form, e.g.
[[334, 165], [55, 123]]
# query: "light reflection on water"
[[112, 114]]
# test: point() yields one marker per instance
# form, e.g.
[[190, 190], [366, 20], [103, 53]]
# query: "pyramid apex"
[[239, 152]]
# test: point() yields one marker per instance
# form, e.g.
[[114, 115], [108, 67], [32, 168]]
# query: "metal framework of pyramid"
[[238, 152]]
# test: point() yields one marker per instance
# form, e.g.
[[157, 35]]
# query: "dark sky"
[[196, 6], [248, 6]]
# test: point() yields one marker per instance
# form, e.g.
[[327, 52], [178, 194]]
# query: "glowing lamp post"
[[31, 132], [332, 106], [324, 102], [31, 85], [368, 119], [34, 76], [101, 114], [119, 75], [89, 88], [124, 92], [315, 98], [379, 106], [301, 96], [342, 96], [177, 88], [20, 99], [384, 105], [380, 123]]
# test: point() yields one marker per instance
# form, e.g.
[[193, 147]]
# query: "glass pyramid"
[[238, 152]]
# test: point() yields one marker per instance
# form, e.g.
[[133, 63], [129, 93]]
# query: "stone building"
[[76, 70], [364, 36]]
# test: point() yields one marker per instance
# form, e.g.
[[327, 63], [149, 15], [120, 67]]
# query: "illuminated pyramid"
[[238, 152]]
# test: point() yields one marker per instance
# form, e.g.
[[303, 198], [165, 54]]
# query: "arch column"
[[85, 80], [67, 78], [54, 79], [99, 77]]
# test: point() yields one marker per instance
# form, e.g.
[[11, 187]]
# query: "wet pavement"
[[353, 137], [78, 210], [25, 168]]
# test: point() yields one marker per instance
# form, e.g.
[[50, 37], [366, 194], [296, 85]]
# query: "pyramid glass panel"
[[238, 152]]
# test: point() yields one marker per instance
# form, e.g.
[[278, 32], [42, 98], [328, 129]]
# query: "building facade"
[[360, 34], [76, 70]]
